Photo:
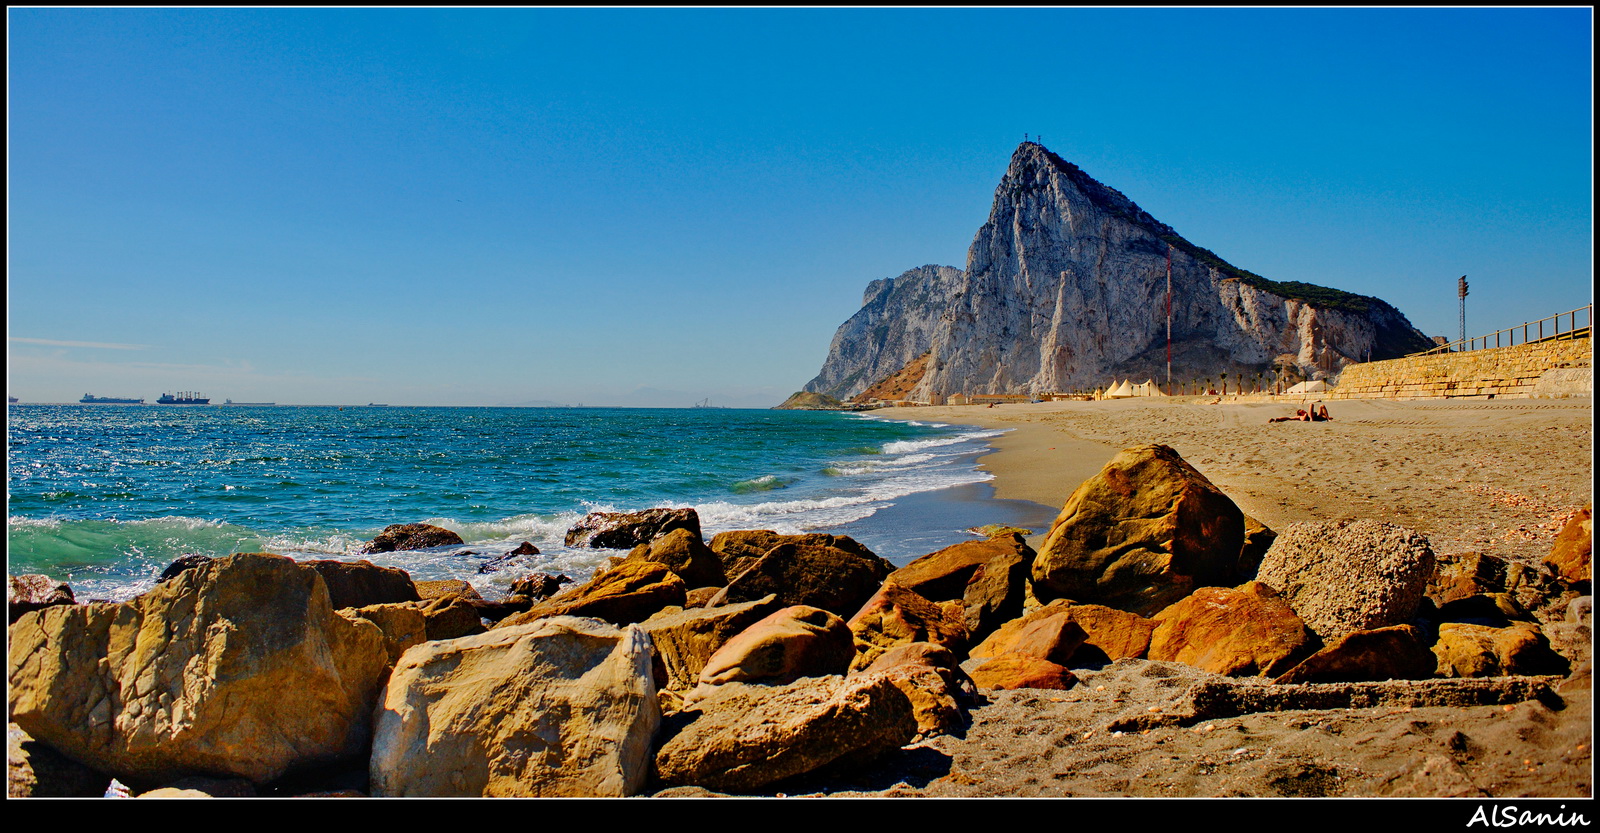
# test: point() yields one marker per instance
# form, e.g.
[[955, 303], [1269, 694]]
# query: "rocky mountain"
[[1066, 288]]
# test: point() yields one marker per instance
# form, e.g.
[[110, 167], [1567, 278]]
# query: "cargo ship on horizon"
[[91, 399], [183, 397]]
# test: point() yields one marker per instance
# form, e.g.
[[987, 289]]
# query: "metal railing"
[[1532, 332]]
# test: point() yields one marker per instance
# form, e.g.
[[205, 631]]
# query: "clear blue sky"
[[652, 207]]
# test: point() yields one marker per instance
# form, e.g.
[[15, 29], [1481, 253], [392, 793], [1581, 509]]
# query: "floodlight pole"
[[1461, 291], [1169, 319]]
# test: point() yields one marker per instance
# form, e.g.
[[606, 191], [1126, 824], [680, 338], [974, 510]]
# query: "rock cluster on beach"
[[745, 663]]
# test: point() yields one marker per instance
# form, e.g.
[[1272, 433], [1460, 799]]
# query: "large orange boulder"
[[739, 548], [836, 580], [237, 668], [896, 616], [1140, 535], [683, 553], [797, 641], [1013, 671], [1238, 632], [1394, 653], [623, 595], [1574, 543]]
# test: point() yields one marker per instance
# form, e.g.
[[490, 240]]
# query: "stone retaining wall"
[[1547, 369]]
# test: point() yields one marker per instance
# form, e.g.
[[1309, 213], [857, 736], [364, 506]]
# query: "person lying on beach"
[[1299, 416]]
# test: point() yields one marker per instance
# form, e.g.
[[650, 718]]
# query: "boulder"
[[362, 583], [183, 562], [403, 625], [1013, 671], [1140, 535], [996, 592], [1460, 575], [1258, 539], [1055, 638], [524, 548], [738, 549], [835, 580], [896, 616], [237, 668], [1393, 653], [560, 707], [1466, 650], [1497, 610], [685, 640], [446, 588], [33, 591], [623, 595], [1569, 558], [450, 617], [1109, 634], [794, 642], [1345, 576], [748, 736], [626, 530], [397, 537], [931, 678], [944, 575], [34, 770], [539, 586], [701, 596], [1237, 632], [683, 553]]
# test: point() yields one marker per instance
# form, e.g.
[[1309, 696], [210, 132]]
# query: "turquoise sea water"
[[105, 497]]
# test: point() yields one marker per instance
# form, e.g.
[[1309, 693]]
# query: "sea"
[[105, 497]]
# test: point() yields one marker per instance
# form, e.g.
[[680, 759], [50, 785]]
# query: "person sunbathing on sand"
[[1318, 413]]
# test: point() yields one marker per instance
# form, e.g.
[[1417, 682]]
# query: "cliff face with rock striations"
[[1065, 288]]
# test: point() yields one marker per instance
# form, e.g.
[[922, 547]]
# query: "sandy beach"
[[1498, 477], [1495, 477]]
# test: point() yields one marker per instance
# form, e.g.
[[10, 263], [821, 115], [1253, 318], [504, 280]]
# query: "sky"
[[654, 207]]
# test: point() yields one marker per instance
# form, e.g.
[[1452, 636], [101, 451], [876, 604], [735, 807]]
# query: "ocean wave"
[[764, 483], [907, 446]]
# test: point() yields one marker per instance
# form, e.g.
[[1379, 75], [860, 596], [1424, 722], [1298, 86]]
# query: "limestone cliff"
[[1065, 287]]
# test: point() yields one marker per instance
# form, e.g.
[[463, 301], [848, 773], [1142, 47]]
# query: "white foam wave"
[[908, 446]]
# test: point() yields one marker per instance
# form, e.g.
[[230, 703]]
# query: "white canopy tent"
[[1313, 386], [1121, 390]]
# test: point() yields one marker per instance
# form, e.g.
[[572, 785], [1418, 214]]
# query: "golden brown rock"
[[1466, 650], [1238, 632], [1574, 543], [797, 641], [897, 616], [686, 640], [622, 595], [1013, 671], [1140, 535], [560, 707], [1392, 653], [836, 580], [236, 668], [683, 553]]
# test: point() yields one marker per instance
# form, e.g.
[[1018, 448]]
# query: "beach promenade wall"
[[1545, 369]]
